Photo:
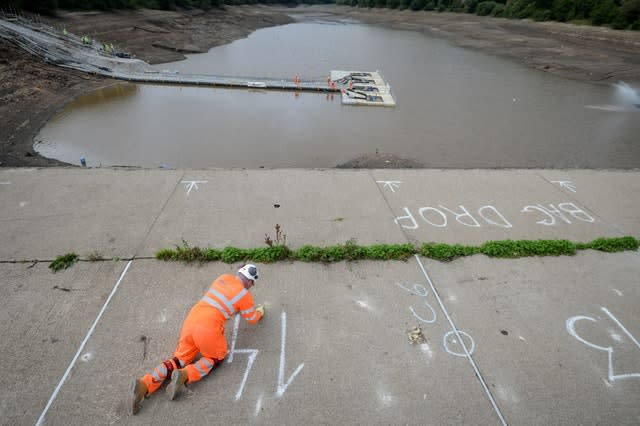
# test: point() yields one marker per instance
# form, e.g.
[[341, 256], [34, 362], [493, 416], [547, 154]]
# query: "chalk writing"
[[420, 290], [5, 183], [438, 217], [191, 184], [442, 216], [449, 337], [565, 184], [282, 386], [551, 213], [571, 329], [391, 184], [253, 354]]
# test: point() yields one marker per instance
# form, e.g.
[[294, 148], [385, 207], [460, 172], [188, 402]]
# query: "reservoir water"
[[455, 108]]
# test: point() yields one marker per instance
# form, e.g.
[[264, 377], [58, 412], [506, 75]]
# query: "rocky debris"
[[415, 335], [381, 161]]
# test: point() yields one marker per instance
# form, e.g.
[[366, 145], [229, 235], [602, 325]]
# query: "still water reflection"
[[456, 108]]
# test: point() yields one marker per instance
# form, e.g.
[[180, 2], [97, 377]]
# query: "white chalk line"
[[282, 386], [606, 311], [459, 337], [80, 349], [253, 354]]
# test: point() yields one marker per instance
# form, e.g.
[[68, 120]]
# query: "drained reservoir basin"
[[455, 108]]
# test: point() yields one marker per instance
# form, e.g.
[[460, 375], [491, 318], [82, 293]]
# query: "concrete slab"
[[49, 212], [474, 206], [44, 317], [614, 195], [237, 208], [345, 334], [556, 338]]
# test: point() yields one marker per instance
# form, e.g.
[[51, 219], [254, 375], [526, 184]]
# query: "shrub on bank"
[[485, 8]]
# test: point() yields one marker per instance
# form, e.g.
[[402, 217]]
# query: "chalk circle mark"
[[450, 338], [433, 319]]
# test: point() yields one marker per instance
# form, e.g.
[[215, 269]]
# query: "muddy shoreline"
[[32, 92]]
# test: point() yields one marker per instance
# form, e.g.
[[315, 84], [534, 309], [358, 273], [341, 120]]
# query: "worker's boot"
[[136, 396], [178, 380]]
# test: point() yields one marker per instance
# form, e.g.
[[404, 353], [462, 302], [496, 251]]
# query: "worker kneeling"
[[202, 332]]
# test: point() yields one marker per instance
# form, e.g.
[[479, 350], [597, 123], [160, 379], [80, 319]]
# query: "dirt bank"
[[32, 91]]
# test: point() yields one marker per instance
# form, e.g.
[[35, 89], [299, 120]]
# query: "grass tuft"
[[611, 245], [63, 262]]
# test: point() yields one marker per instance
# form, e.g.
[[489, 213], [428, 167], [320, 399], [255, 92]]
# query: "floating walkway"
[[80, 53], [356, 87]]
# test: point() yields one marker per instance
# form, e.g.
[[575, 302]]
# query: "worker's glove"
[[260, 309]]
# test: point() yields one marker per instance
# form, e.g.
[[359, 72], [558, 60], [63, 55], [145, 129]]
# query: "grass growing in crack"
[[446, 252], [351, 251], [64, 261], [94, 256], [611, 245]]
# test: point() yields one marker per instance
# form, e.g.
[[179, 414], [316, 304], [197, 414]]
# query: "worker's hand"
[[260, 309]]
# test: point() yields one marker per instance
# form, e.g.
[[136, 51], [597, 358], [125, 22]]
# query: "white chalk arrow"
[[391, 184], [282, 386], [192, 184], [565, 184]]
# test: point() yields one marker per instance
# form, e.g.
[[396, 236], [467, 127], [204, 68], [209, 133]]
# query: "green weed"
[[611, 245], [351, 251], [523, 248], [64, 261]]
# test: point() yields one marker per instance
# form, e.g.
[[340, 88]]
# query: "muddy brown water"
[[455, 108]]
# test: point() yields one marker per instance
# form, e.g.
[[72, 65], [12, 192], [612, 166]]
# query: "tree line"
[[618, 14], [49, 6]]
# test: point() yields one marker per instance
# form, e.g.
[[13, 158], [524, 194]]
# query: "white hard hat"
[[250, 271]]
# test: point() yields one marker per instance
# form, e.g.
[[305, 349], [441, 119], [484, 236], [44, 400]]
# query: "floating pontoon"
[[363, 88]]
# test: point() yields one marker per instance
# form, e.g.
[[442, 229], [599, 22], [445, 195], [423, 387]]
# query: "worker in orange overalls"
[[202, 332]]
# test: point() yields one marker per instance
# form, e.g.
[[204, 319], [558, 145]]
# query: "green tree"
[[471, 6], [43, 7], [603, 12], [630, 9], [519, 9], [563, 10], [583, 8], [485, 8], [498, 11]]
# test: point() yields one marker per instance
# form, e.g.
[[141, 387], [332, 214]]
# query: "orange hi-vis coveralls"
[[203, 331]]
